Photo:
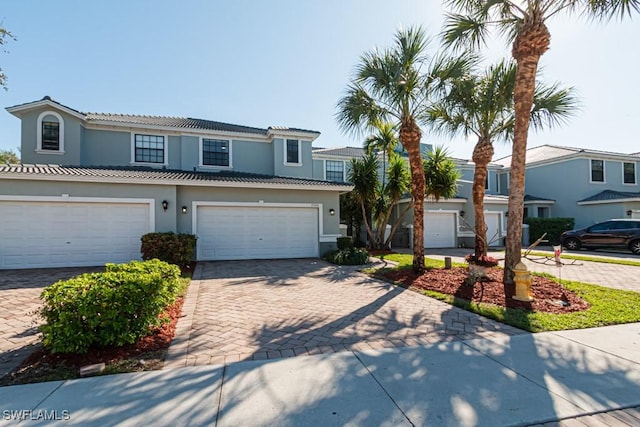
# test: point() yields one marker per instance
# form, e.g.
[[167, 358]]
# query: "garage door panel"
[[256, 232], [439, 229], [65, 234]]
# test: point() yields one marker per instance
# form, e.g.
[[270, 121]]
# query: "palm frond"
[[553, 105], [609, 9]]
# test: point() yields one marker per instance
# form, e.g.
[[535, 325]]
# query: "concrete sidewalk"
[[519, 380]]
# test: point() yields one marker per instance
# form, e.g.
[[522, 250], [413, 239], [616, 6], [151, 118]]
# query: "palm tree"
[[524, 25], [376, 198], [384, 140], [482, 105], [363, 174], [396, 85], [441, 174]]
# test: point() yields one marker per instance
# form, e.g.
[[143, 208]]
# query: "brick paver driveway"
[[244, 310], [19, 299]]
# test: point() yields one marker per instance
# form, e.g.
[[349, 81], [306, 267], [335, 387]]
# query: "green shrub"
[[173, 248], [116, 307], [344, 242], [554, 227], [351, 256]]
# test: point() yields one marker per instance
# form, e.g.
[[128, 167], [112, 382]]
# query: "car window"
[[603, 226], [621, 225]]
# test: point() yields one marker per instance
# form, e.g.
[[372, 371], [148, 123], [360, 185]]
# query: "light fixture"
[[629, 212], [184, 209], [506, 213], [461, 214], [332, 211], [165, 205]]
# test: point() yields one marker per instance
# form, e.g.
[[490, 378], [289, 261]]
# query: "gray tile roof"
[[341, 151], [530, 198], [550, 152], [173, 122], [607, 195], [137, 174]]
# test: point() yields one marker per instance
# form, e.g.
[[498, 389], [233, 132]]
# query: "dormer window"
[[50, 136], [292, 152]]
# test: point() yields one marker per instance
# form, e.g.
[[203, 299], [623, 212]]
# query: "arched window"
[[50, 133]]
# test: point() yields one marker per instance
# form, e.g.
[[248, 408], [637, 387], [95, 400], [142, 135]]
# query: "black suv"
[[615, 233]]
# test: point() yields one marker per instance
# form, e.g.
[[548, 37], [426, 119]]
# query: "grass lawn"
[[608, 306]]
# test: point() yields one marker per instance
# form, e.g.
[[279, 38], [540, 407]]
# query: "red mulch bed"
[[549, 296], [377, 252]]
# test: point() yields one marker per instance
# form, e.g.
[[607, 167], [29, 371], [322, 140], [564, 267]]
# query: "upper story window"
[[216, 152], [629, 173], [149, 149], [486, 182], [334, 170], [50, 135], [597, 170], [292, 152]]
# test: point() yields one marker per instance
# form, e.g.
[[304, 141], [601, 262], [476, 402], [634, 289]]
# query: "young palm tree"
[[482, 105], [524, 24], [441, 174], [377, 199], [384, 140], [397, 85]]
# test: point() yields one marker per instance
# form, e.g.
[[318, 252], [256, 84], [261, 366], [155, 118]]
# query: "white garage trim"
[[450, 237], [309, 207], [493, 238], [63, 231], [67, 198], [322, 237]]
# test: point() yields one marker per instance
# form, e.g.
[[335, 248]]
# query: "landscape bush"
[[554, 227], [116, 307], [350, 256], [173, 248], [344, 242]]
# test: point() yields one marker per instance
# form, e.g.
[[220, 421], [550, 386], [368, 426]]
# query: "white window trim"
[[284, 145], [200, 153], [344, 168], [604, 170], [635, 174], [133, 149], [41, 117]]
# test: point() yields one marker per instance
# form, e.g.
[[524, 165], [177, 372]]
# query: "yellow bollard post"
[[523, 283]]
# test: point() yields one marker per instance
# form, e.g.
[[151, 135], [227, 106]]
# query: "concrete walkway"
[[583, 377], [255, 310]]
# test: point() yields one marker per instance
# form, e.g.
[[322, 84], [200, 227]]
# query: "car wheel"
[[635, 247], [572, 244]]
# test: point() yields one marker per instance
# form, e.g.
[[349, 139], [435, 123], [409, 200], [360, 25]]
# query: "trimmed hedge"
[[351, 256], [173, 248], [116, 307], [554, 227], [344, 242]]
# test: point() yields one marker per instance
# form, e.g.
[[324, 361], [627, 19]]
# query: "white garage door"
[[439, 229], [70, 234], [492, 219], [234, 232]]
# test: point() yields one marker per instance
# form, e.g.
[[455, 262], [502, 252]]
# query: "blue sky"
[[278, 63]]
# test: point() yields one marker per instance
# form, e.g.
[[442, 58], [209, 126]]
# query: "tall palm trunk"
[[410, 138], [482, 155], [532, 41]]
